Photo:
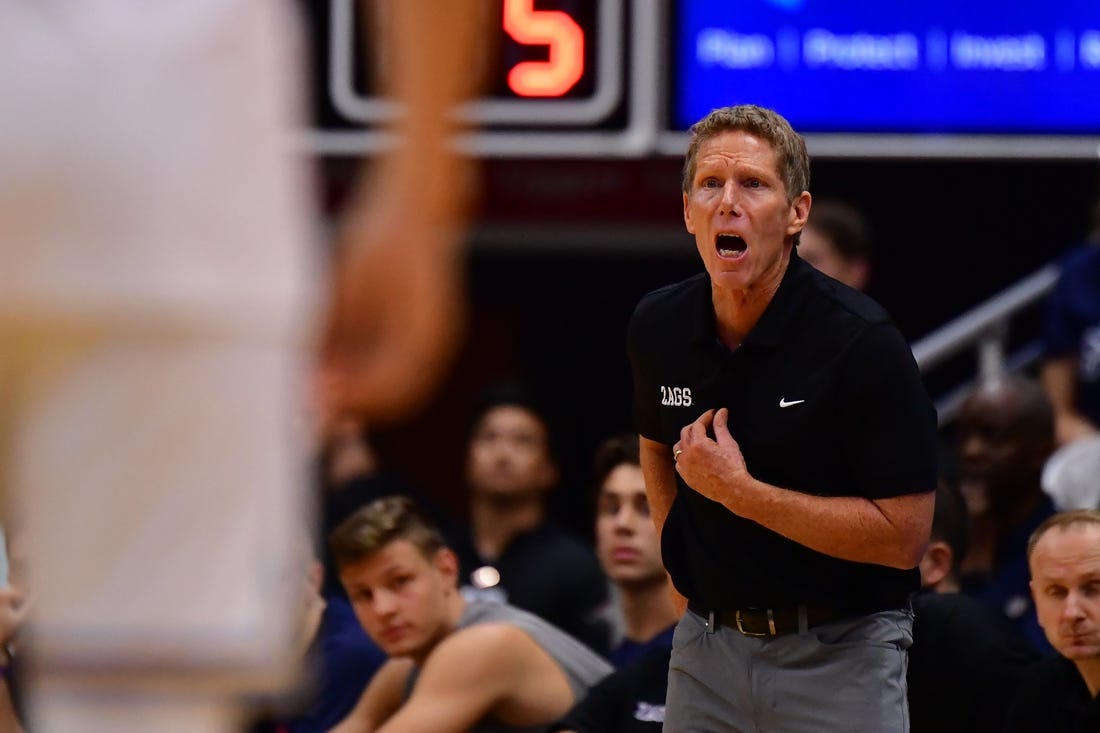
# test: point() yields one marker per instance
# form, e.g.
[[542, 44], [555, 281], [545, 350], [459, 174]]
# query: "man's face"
[[626, 539], [1065, 583], [998, 456], [737, 208], [401, 598], [509, 455]]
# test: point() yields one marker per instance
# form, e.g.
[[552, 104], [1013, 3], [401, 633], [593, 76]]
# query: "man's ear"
[[446, 562], [937, 563], [799, 212], [688, 223]]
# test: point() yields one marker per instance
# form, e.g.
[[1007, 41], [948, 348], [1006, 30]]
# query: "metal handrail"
[[985, 328], [992, 315]]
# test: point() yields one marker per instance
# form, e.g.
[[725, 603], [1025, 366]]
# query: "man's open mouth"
[[730, 245]]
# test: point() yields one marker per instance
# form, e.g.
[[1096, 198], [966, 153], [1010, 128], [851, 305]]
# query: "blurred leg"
[[155, 307]]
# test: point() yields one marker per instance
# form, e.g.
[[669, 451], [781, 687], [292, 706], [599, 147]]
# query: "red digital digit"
[[553, 28]]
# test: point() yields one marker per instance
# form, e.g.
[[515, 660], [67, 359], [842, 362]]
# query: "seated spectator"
[[1062, 693], [629, 550], [1005, 433], [350, 475], [455, 665], [837, 241], [948, 542], [966, 660], [633, 697], [511, 551], [1070, 369]]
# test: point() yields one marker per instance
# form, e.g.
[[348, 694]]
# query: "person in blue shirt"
[[629, 550], [1071, 338], [633, 697]]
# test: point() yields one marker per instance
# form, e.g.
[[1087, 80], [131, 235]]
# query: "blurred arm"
[[1059, 379], [397, 301]]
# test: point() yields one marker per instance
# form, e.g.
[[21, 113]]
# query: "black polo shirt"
[[1053, 698], [824, 397]]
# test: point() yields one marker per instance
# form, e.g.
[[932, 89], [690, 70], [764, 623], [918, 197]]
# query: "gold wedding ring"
[[676, 453]]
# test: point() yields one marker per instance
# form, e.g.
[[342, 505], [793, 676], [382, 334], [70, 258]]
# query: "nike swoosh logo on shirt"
[[783, 402]]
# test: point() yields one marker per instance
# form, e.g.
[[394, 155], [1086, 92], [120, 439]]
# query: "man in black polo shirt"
[[789, 451]]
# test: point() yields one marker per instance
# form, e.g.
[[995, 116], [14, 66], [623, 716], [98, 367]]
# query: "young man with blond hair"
[[455, 665]]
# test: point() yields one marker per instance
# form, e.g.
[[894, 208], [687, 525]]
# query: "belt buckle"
[[771, 624]]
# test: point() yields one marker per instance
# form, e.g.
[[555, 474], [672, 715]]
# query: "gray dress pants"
[[845, 676]]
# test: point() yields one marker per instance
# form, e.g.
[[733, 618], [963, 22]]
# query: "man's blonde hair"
[[790, 148], [379, 523]]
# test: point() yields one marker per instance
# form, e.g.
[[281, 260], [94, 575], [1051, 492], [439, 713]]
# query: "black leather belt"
[[771, 621]]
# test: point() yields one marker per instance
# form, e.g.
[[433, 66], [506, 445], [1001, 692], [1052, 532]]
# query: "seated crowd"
[[508, 622], [415, 621], [412, 621]]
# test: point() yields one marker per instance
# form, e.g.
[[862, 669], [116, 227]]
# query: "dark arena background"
[[973, 156]]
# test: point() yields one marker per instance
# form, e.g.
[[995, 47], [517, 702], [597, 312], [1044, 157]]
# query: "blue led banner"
[[853, 66]]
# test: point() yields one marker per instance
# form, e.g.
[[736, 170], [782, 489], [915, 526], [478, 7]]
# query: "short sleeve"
[[1061, 331], [889, 421]]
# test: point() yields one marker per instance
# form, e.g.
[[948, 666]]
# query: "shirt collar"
[[771, 327]]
